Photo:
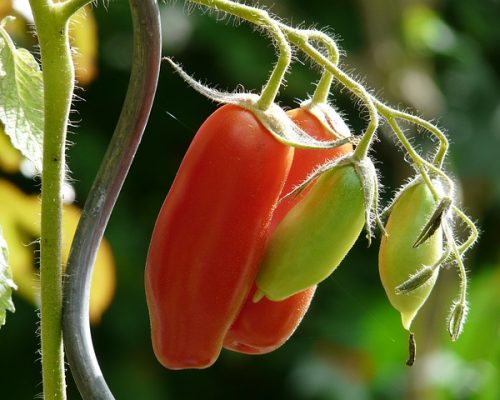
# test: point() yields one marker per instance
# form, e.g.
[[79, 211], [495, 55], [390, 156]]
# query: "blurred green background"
[[441, 57]]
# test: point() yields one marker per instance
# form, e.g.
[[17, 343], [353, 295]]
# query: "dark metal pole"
[[102, 197]]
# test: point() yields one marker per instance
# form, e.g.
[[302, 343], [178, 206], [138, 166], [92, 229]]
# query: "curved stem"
[[102, 197], [461, 268], [322, 91], [297, 38], [262, 19], [420, 163], [443, 141], [374, 105], [474, 234], [272, 86], [412, 153]]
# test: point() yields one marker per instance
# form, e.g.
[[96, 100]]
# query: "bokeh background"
[[441, 57]]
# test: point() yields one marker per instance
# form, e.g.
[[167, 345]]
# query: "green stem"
[[262, 19], [67, 8], [297, 38], [474, 234], [374, 106], [322, 91], [461, 268], [443, 141], [58, 80]]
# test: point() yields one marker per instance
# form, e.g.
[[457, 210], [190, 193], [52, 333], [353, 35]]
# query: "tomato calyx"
[[329, 118], [435, 221], [457, 318], [274, 118]]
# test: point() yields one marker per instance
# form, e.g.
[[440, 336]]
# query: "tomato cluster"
[[212, 234], [251, 225]]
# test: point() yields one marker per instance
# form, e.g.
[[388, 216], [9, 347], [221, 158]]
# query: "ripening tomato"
[[210, 235], [264, 326], [315, 236]]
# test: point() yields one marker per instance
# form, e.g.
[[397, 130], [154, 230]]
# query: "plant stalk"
[[58, 81]]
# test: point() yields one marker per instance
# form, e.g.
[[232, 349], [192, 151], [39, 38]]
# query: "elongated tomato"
[[210, 234], [264, 326], [315, 236], [399, 259]]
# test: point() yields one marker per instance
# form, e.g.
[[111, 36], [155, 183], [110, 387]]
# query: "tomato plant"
[[211, 240]]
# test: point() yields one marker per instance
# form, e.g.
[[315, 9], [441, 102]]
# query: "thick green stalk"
[[69, 7], [58, 80]]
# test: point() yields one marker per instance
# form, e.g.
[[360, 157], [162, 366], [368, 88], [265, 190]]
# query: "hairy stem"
[[443, 141], [67, 8], [301, 41], [322, 91], [58, 80], [262, 19]]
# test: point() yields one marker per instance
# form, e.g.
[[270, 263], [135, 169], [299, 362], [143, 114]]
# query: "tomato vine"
[[51, 21]]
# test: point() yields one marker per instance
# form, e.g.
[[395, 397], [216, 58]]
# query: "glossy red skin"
[[210, 235], [264, 326]]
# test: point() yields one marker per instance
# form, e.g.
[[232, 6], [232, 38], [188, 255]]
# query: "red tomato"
[[264, 326], [210, 234]]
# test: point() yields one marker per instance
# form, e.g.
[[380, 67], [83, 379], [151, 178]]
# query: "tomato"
[[210, 235], [315, 236], [399, 259], [305, 161], [264, 326]]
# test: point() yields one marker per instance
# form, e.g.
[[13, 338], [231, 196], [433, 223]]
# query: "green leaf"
[[21, 99], [6, 282]]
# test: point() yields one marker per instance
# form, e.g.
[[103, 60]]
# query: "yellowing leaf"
[[20, 220], [83, 36], [5, 8], [10, 158]]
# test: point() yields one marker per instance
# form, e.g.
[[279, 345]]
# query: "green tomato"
[[399, 259], [315, 236]]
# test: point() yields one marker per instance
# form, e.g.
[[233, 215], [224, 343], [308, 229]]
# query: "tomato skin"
[[264, 326], [210, 235], [305, 161], [398, 259], [315, 236]]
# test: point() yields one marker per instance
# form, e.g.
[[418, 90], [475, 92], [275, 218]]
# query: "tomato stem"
[[443, 141], [474, 234], [296, 37], [322, 91], [374, 106], [58, 82], [103, 195], [262, 19], [412, 350], [461, 268], [67, 8]]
